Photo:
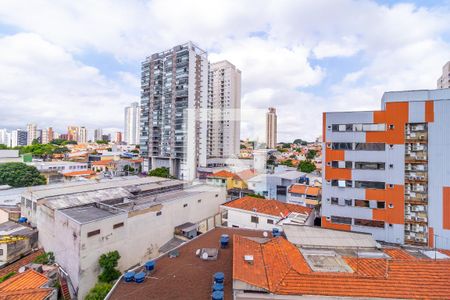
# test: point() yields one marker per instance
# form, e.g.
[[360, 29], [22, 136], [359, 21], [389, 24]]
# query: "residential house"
[[304, 195]]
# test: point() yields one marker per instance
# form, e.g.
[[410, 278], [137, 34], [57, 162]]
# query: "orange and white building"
[[387, 172]]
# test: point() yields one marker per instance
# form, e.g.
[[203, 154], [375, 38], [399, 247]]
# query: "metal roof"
[[316, 237]]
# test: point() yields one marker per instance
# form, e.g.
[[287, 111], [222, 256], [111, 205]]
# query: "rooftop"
[[279, 267], [15, 266], [223, 174], [187, 274], [88, 213], [268, 207], [79, 173], [304, 190], [15, 229], [25, 286]]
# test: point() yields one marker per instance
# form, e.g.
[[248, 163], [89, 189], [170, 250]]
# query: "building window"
[[1, 252], [269, 221], [118, 225], [341, 183], [341, 164], [334, 200], [369, 223], [217, 195], [92, 233], [369, 185], [341, 220], [370, 146], [348, 202], [362, 203], [381, 204], [254, 219], [369, 165], [159, 213], [342, 146], [185, 205]]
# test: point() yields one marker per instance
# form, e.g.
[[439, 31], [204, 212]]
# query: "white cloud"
[[42, 83], [274, 43]]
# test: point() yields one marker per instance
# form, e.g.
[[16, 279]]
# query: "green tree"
[[99, 291], [20, 175], [57, 141], [287, 162], [3, 147], [46, 258], [7, 276], [306, 166], [160, 172], [101, 142], [108, 262], [256, 196], [35, 142], [60, 150], [311, 154], [70, 143], [300, 142]]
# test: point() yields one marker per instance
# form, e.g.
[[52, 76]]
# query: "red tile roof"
[[24, 286], [287, 272], [14, 267], [247, 174], [223, 174], [268, 207], [79, 173], [102, 162], [304, 190]]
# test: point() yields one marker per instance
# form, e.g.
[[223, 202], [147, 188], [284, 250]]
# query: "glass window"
[[254, 219], [369, 223], [362, 203], [370, 146], [381, 204], [269, 221], [92, 233], [369, 165], [348, 202], [341, 220], [334, 200], [342, 146], [369, 184]]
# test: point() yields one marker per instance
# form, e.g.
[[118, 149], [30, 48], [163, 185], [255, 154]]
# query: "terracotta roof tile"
[[288, 274], [26, 285], [223, 174], [102, 162], [14, 267], [247, 174], [396, 253], [79, 173], [304, 189], [268, 207]]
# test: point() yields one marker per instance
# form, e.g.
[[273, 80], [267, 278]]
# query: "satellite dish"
[[205, 256], [197, 252], [265, 234]]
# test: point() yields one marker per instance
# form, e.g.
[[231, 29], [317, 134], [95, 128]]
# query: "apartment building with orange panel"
[[387, 172]]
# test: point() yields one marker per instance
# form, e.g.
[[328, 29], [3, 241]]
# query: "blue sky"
[[70, 63]]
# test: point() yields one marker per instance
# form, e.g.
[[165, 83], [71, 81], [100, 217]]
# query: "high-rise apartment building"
[[387, 172], [31, 133], [5, 137], [132, 124], [19, 137], [444, 81], [118, 137], [72, 133], [271, 128], [98, 134], [82, 135], [174, 98], [224, 104]]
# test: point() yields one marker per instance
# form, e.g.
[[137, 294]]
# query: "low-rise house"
[[26, 286], [77, 175], [16, 240], [54, 171], [327, 265], [262, 214], [304, 195], [274, 186]]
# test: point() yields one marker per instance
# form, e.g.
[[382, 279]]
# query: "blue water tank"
[[23, 220], [276, 232], [139, 277], [217, 295], [129, 276], [224, 240], [307, 181], [217, 287], [219, 277], [150, 265]]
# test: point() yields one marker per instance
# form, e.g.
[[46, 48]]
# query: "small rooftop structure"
[[304, 190], [91, 212], [317, 237]]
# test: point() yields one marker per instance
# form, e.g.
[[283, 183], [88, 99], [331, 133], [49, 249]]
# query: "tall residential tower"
[[132, 116], [387, 172], [224, 105], [271, 128], [174, 97], [444, 81], [31, 133]]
